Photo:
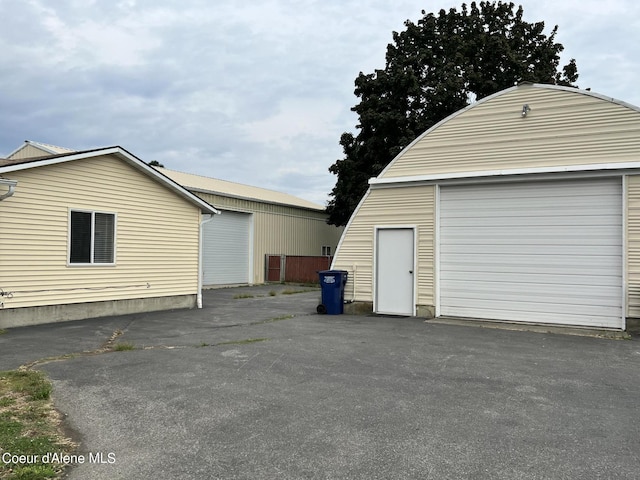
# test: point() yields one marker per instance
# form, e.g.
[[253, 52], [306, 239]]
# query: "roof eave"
[[510, 173], [253, 199], [123, 155]]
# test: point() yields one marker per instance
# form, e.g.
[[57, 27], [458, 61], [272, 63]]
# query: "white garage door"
[[544, 252], [226, 253]]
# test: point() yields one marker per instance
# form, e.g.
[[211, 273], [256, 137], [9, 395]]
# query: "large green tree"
[[435, 67]]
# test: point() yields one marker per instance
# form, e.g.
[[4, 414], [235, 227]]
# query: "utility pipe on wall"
[[353, 296], [200, 257]]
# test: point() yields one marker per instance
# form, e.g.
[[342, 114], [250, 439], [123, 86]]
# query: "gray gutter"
[[12, 188]]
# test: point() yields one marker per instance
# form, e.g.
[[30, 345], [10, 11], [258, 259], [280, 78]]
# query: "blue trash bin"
[[332, 283]]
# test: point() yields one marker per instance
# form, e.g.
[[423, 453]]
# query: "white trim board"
[[510, 175]]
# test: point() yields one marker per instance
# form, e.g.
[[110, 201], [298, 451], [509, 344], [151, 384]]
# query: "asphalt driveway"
[[262, 387]]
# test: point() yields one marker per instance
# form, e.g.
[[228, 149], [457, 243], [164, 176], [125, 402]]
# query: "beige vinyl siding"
[[279, 229], [157, 234], [563, 127], [28, 151], [389, 206], [633, 246]]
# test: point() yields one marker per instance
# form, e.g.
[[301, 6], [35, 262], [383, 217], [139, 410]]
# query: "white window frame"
[[91, 263], [325, 249]]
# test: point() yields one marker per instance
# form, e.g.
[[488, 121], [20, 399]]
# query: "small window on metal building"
[[326, 250]]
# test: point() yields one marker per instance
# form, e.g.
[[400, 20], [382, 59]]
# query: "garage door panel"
[[503, 279], [226, 253], [586, 320], [535, 309], [573, 203], [477, 211], [533, 249], [541, 237], [545, 249], [537, 190], [598, 264], [531, 221], [575, 295]]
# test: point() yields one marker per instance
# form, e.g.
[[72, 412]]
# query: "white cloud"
[[293, 119]]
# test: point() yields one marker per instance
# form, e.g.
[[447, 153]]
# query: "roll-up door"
[[226, 256], [542, 252]]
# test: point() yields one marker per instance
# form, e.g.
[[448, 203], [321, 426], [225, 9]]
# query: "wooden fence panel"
[[297, 268], [305, 269], [274, 265]]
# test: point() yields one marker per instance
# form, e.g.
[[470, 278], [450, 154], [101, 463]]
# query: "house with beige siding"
[[94, 233], [255, 222], [522, 207]]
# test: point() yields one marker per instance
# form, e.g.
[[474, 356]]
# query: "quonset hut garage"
[[523, 207]]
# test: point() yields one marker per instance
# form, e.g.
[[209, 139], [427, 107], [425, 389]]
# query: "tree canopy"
[[434, 68]]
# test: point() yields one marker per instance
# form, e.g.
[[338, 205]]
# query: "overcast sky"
[[252, 92]]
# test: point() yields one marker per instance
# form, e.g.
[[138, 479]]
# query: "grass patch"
[[123, 347], [293, 292], [273, 293], [2, 331], [29, 425], [31, 384], [242, 295], [244, 342]]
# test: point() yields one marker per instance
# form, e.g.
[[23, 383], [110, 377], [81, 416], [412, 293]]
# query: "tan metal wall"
[[562, 128], [388, 206], [157, 236], [280, 230], [633, 246]]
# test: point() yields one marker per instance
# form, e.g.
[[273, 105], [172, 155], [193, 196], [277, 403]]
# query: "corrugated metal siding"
[[633, 246], [156, 236], [232, 189], [280, 230], [393, 206], [562, 128]]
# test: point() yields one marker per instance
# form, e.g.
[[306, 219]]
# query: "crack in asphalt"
[[109, 344]]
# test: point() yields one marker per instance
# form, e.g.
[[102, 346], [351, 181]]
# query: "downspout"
[[12, 188], [353, 297], [200, 257]]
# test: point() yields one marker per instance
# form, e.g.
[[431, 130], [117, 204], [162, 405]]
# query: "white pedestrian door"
[[395, 271]]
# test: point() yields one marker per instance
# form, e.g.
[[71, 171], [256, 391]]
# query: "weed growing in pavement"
[[242, 295], [123, 347], [292, 292], [276, 319], [244, 342]]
